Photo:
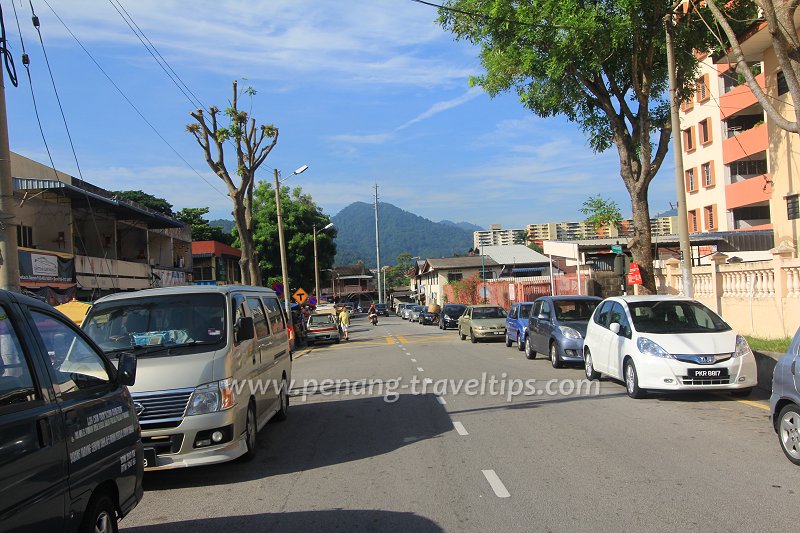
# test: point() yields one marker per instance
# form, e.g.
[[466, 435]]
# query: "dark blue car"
[[557, 327], [517, 324]]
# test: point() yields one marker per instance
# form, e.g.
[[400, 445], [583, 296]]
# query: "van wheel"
[[530, 353], [283, 411], [521, 342], [100, 516], [250, 433], [463, 337], [472, 337]]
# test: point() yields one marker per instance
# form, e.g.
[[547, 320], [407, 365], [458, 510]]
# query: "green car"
[[482, 322]]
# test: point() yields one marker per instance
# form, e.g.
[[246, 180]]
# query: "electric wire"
[[8, 59]]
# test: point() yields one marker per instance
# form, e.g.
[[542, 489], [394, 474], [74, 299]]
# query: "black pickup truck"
[[70, 445]]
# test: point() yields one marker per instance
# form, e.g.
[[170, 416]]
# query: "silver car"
[[785, 401], [413, 314]]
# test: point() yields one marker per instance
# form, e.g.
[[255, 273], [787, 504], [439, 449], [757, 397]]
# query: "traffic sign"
[[312, 301], [300, 296], [278, 288], [634, 275], [616, 248]]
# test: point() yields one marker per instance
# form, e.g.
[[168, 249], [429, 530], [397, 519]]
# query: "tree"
[[148, 200], [397, 275], [520, 237], [779, 16], [601, 212], [300, 214], [252, 145], [202, 230], [599, 63]]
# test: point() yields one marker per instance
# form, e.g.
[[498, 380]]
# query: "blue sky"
[[364, 92]]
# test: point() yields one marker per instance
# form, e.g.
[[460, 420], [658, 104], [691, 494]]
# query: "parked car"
[[322, 327], [482, 322], [382, 309], [450, 314], [666, 343], [413, 315], [72, 455], [557, 326], [194, 344], [426, 316], [785, 401], [407, 311], [517, 324]]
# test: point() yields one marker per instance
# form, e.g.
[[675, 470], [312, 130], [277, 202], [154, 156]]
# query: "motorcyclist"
[[373, 315]]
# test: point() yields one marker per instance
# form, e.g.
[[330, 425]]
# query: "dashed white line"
[[413, 360], [420, 369], [460, 428], [497, 486], [441, 400]]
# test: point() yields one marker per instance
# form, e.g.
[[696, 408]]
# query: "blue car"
[[517, 324], [557, 327], [785, 401]]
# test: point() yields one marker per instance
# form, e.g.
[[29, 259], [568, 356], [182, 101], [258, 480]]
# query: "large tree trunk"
[[246, 242], [642, 238]]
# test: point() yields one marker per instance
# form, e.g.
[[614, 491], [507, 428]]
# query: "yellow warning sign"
[[299, 296]]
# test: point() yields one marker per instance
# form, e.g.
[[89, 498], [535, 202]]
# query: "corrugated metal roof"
[[514, 254]]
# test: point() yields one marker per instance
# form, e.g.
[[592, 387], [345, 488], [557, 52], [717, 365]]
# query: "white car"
[[667, 343]]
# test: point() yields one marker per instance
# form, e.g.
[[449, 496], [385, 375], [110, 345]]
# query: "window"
[[16, 379], [545, 308], [747, 167], [454, 276], [617, 316], [793, 207], [705, 131], [707, 174], [691, 182], [24, 236], [536, 309], [601, 316], [703, 91], [512, 313], [688, 139], [687, 106], [693, 221], [75, 365], [710, 214], [259, 317], [275, 314], [488, 274], [659, 316], [783, 87]]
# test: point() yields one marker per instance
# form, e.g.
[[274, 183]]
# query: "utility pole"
[[677, 149], [9, 258], [378, 245], [282, 242]]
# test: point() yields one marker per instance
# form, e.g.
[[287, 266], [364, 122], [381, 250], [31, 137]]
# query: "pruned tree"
[[599, 63], [252, 144], [780, 18], [601, 212]]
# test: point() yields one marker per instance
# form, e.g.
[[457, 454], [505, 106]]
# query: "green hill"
[[400, 231]]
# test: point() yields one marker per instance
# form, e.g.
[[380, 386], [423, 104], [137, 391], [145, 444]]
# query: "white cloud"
[[439, 107]]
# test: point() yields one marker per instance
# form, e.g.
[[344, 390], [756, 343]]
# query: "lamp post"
[[483, 273], [316, 266], [284, 270]]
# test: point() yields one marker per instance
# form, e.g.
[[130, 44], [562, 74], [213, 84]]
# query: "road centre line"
[[497, 486], [754, 404], [413, 360], [461, 429], [420, 369], [402, 339]]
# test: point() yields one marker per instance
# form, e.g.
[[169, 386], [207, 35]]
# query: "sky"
[[364, 92]]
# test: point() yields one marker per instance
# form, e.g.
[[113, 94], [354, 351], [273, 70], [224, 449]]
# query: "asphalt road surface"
[[553, 456]]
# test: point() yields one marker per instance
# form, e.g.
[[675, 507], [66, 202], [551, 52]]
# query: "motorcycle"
[[373, 317]]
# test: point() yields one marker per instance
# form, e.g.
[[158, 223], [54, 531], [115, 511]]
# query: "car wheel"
[[789, 432], [508, 341], [100, 516], [283, 410], [741, 393], [251, 433], [472, 337], [521, 342], [463, 337], [554, 355], [530, 353], [588, 366], [632, 381]]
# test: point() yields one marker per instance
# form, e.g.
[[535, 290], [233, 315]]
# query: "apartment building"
[[497, 236], [572, 231], [77, 240]]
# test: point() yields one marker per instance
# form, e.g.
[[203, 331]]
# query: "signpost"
[[312, 301], [634, 275], [299, 296], [616, 249], [278, 288]]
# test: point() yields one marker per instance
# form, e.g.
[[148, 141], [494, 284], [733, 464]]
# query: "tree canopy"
[[601, 212], [148, 200], [202, 230]]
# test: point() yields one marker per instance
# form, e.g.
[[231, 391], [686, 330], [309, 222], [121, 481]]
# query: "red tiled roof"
[[214, 247]]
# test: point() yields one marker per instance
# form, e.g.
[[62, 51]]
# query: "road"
[[435, 460]]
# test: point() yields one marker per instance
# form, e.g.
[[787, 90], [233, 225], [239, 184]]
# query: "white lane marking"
[[441, 400], [460, 428], [428, 380], [413, 360], [497, 486], [420, 369]]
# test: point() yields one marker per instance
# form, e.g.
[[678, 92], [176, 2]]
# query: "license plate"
[[711, 373], [499, 332], [149, 457]]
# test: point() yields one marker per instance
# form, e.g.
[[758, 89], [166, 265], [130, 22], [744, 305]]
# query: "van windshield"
[[158, 324]]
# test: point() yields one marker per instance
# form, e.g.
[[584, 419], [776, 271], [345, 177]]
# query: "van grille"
[[161, 409]]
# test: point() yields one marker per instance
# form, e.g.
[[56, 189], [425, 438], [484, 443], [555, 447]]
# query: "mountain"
[[400, 231], [463, 225], [226, 225]]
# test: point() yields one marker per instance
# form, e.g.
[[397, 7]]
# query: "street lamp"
[[316, 266], [284, 270]]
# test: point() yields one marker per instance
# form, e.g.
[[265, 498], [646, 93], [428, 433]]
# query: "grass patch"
[[769, 345]]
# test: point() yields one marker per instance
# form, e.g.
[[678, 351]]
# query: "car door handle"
[[45, 432], [793, 365]]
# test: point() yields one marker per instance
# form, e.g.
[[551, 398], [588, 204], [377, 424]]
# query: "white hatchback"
[[667, 343]]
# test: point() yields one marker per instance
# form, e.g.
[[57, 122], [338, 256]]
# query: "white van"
[[214, 366]]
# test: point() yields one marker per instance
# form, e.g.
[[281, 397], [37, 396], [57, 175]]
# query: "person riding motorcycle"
[[373, 315]]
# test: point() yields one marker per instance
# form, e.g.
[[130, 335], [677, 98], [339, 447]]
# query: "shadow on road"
[[510, 406], [328, 520], [320, 434]]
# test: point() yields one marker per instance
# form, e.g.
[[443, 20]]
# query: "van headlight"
[[742, 347], [570, 333], [648, 347], [211, 397]]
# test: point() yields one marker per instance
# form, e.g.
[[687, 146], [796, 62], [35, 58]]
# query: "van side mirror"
[[615, 328], [244, 330], [544, 316], [126, 369]]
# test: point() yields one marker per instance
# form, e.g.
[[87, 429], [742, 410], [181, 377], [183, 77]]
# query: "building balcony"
[[111, 274], [739, 99], [745, 144], [748, 192]]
